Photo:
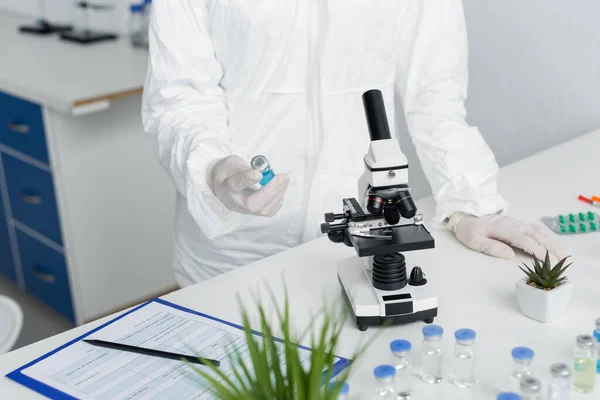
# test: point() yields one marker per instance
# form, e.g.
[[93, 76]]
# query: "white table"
[[474, 290]]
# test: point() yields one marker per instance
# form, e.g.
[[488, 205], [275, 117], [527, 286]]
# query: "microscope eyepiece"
[[406, 205], [379, 127]]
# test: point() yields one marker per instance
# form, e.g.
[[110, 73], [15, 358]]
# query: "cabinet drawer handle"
[[43, 276], [18, 128], [30, 198]]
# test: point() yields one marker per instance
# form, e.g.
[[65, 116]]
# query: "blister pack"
[[570, 224]]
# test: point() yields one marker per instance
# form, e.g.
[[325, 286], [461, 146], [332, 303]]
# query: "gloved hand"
[[233, 182], [494, 234]]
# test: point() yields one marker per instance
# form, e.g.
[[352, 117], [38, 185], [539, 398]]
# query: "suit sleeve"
[[458, 163], [184, 108]]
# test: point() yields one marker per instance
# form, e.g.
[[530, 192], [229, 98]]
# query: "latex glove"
[[234, 183], [494, 234]]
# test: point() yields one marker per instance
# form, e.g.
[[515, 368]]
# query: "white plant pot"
[[543, 305]]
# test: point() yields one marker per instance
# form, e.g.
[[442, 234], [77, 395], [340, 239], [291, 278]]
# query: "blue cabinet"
[[32, 198], [34, 217], [22, 127], [7, 266], [45, 273]]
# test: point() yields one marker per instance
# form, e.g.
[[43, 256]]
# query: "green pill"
[[562, 219], [582, 216], [563, 229], [573, 228], [583, 227], [572, 217], [591, 216], [593, 226]]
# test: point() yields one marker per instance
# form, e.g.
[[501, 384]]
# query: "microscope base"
[[374, 307]]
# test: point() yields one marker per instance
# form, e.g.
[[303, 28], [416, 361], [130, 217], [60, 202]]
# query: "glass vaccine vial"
[[559, 386], [584, 365], [403, 364], [261, 164], [522, 359], [464, 358], [431, 354]]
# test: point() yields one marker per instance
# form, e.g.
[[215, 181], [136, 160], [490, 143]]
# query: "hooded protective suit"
[[284, 78]]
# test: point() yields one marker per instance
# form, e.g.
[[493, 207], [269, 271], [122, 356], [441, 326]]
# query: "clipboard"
[[54, 393]]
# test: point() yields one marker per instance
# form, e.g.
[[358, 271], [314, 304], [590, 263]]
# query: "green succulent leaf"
[[543, 274]]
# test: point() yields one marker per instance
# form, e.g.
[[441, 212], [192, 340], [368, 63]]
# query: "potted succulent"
[[275, 369], [544, 294]]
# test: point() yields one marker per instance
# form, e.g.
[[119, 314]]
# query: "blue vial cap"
[[508, 396], [522, 353], [400, 346], [384, 371], [343, 390], [465, 334], [147, 1], [137, 8], [432, 330]]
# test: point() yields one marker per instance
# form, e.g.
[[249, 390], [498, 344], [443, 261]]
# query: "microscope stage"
[[404, 238], [373, 307]]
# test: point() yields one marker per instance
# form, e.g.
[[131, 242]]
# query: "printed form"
[[88, 372]]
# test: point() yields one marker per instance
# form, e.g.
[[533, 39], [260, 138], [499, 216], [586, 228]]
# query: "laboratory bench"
[[86, 212], [474, 290]]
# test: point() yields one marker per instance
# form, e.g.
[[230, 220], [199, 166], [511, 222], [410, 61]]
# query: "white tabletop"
[[475, 291], [63, 75]]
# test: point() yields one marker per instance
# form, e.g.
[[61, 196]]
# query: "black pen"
[[151, 352]]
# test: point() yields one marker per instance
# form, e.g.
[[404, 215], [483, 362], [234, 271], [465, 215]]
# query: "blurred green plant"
[[276, 369]]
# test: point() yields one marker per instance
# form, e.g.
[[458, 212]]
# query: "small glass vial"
[[522, 359], [344, 391], [146, 19], [508, 396], [136, 25], [261, 164], [385, 376], [597, 337], [584, 368], [531, 388], [559, 387], [464, 358], [432, 356], [403, 364]]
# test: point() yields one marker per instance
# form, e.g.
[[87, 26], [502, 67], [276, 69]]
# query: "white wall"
[[534, 67], [534, 75]]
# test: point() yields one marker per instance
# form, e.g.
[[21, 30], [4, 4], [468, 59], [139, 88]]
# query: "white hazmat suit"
[[284, 78]]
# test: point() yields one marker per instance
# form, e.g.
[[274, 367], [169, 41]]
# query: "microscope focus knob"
[[417, 278], [325, 228], [329, 217]]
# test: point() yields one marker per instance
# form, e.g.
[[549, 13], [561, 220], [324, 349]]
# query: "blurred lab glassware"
[[136, 25], [522, 359], [559, 387], [584, 368]]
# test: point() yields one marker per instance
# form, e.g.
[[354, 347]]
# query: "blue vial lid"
[[137, 8], [147, 1], [400, 346], [432, 330], [343, 390], [465, 334], [508, 396], [384, 371], [522, 353]]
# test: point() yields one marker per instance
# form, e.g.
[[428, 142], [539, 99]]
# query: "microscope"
[[380, 227]]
